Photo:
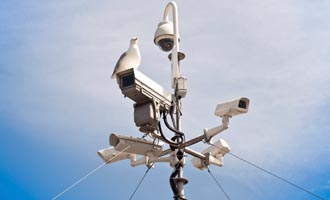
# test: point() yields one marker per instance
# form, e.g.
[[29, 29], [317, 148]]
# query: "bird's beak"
[[135, 38]]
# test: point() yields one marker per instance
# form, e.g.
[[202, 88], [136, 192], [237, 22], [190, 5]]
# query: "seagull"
[[129, 59]]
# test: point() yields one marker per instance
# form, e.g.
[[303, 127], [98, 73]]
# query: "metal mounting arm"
[[209, 133], [148, 161], [175, 62], [110, 155]]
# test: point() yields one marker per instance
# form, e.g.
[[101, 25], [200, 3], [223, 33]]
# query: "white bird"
[[129, 59]]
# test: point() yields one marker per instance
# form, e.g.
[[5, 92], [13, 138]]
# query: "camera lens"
[[242, 104], [166, 44]]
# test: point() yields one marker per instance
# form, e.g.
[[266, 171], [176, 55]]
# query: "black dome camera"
[[166, 44]]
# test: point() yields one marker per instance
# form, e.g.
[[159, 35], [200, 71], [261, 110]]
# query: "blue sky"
[[58, 104]]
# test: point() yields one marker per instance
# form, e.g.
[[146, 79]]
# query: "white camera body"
[[181, 87], [133, 145], [142, 89], [232, 108], [164, 36], [110, 155], [213, 154]]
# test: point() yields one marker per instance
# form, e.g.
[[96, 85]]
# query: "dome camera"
[[164, 36]]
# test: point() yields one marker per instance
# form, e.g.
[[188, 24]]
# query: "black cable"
[[169, 126], [172, 118], [272, 174], [208, 169], [173, 184], [172, 180], [137, 187], [163, 136]]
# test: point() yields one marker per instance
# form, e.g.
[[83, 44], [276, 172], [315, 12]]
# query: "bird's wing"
[[118, 64]]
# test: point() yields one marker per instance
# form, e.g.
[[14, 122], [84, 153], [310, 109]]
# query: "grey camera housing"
[[164, 36], [133, 145], [110, 155], [232, 108], [141, 89], [214, 155], [146, 116]]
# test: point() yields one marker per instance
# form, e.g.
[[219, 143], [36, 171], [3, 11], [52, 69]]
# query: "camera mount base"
[[181, 56]]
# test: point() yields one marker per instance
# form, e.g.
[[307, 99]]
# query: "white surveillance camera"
[[133, 145], [110, 155], [214, 155], [225, 111], [142, 89], [219, 147], [232, 108], [164, 36]]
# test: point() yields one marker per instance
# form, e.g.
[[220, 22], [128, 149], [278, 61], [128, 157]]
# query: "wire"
[[208, 169], [172, 179], [79, 181], [88, 174], [171, 128], [172, 118], [163, 136], [137, 187], [173, 184], [274, 175]]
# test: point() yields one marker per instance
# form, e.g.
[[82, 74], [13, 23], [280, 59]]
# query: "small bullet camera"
[[213, 154], [232, 108]]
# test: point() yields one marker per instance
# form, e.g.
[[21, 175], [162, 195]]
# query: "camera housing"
[[150, 98], [141, 89], [181, 87], [232, 108], [110, 155], [147, 116], [138, 146], [213, 155], [164, 36]]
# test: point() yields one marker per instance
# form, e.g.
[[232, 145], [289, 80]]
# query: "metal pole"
[[175, 61], [180, 182]]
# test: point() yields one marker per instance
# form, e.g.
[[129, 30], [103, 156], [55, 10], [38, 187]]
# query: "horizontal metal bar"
[[194, 153]]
